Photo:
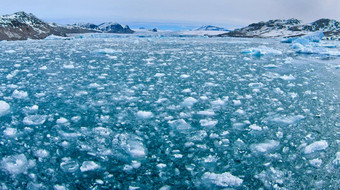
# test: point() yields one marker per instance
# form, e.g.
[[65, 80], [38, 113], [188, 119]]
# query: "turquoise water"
[[127, 112]]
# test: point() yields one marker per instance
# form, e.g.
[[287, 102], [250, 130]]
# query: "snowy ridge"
[[210, 28], [287, 28], [23, 26], [106, 27]]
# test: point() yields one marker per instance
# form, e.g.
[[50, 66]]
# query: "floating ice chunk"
[[106, 51], [316, 146], [76, 119], [135, 164], [15, 164], [272, 178], [89, 166], [305, 40], [94, 85], [130, 144], [99, 181], [144, 114], [34, 108], [41, 153], [255, 127], [206, 113], [315, 162], [19, 94], [237, 102], [225, 179], [69, 165], [240, 112], [184, 76], [313, 37], [34, 120], [218, 102], [161, 165], [267, 146], [198, 135], [180, 125], [262, 50], [159, 75], [70, 66], [287, 77], [165, 187], [43, 68], [101, 131], [10, 132], [336, 161], [208, 122], [10, 51], [270, 66], [4, 108], [190, 101], [62, 121], [59, 187]]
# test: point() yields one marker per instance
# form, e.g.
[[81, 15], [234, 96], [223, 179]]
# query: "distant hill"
[[210, 28], [287, 28], [106, 27], [22, 26]]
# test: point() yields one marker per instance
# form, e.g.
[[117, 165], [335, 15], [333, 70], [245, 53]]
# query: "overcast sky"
[[220, 12]]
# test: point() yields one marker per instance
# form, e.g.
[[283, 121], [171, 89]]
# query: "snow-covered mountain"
[[210, 28], [287, 28], [110, 27], [22, 26], [106, 27]]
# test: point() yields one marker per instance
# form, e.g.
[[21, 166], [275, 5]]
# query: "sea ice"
[[262, 50], [188, 102], [10, 132], [15, 164], [208, 122], [267, 146], [62, 121], [19, 94], [144, 114], [4, 108], [89, 166], [316, 146], [70, 66], [316, 162], [69, 165], [336, 161], [34, 119], [130, 144], [287, 119], [41, 153], [180, 125], [225, 179], [206, 113]]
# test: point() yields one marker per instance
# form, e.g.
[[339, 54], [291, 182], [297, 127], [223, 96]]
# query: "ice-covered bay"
[[154, 112]]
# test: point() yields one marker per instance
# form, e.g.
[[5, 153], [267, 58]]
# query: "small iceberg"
[[261, 51]]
